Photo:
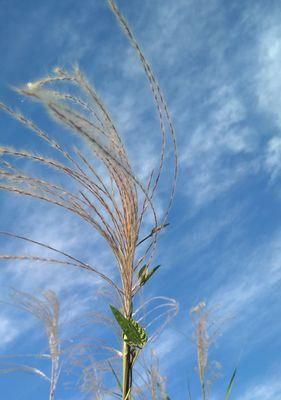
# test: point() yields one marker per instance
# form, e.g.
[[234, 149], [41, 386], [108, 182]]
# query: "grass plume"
[[114, 203]]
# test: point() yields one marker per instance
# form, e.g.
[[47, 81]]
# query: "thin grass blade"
[[230, 385]]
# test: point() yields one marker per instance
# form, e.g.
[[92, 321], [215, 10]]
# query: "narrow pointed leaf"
[[229, 388], [142, 274], [133, 333], [152, 272]]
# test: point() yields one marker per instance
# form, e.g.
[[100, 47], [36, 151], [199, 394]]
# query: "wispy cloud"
[[249, 291], [9, 331], [220, 137], [268, 76], [268, 389], [273, 157]]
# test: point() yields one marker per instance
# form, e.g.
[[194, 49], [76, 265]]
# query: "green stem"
[[203, 391], [127, 357], [53, 380], [127, 372]]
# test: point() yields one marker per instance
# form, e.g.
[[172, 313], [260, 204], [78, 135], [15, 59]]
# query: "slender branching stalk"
[[46, 310], [157, 383], [206, 330]]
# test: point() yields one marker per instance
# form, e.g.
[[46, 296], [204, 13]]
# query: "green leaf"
[[133, 333], [144, 275], [141, 332], [229, 388], [149, 275]]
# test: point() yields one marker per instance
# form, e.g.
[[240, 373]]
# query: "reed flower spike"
[[107, 194]]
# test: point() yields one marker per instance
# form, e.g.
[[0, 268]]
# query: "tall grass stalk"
[[206, 329], [113, 202]]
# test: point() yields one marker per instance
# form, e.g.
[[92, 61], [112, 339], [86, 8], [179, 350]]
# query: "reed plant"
[[97, 183], [105, 192], [207, 327]]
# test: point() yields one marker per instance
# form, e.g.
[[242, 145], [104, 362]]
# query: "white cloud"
[[206, 231], [268, 87], [273, 156], [168, 342], [218, 136], [250, 289], [65, 33], [268, 79], [8, 331], [268, 389]]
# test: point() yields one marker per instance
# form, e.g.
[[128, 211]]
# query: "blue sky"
[[218, 63]]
